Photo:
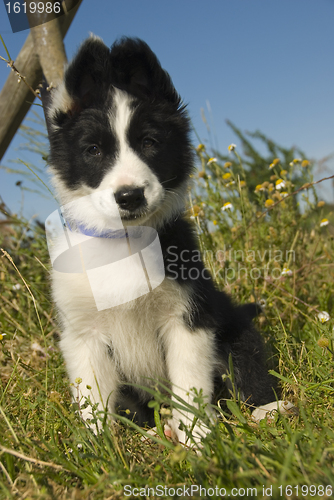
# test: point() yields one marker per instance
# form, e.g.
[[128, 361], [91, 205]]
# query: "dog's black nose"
[[129, 198]]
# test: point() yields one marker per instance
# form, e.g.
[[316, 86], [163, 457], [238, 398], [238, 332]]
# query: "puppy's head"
[[117, 125]]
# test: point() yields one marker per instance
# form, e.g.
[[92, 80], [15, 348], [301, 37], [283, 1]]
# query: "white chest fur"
[[134, 332]]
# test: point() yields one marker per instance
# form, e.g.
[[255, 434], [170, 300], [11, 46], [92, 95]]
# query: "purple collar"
[[110, 233]]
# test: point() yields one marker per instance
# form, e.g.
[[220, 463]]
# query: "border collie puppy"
[[120, 137]]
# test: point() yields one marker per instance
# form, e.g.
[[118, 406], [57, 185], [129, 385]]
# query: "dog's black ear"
[[86, 82], [137, 70], [88, 73]]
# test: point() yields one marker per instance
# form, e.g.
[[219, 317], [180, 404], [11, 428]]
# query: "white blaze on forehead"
[[120, 116], [128, 169]]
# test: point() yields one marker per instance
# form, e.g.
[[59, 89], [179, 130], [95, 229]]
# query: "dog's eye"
[[148, 142], [94, 150]]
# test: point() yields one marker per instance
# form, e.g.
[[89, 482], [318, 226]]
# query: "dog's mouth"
[[133, 216]]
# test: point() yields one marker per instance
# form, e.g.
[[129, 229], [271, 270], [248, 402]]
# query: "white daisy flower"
[[211, 160], [227, 206], [323, 316], [280, 184]]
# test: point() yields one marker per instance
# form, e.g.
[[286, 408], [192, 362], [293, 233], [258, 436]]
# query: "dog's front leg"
[[190, 365], [92, 372]]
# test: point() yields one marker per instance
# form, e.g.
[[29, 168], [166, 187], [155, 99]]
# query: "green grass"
[[46, 452]]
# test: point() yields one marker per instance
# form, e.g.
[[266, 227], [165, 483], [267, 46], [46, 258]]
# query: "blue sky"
[[263, 64]]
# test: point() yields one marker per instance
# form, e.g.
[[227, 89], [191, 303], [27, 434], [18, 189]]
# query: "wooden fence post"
[[16, 98]]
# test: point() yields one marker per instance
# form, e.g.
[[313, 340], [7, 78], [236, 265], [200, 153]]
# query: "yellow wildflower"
[[295, 161], [305, 163], [280, 184], [228, 164], [211, 160], [322, 342], [321, 204], [324, 222], [227, 176], [269, 203], [200, 148], [227, 206], [274, 163], [231, 147]]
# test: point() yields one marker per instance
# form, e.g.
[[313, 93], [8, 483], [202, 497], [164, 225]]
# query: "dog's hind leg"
[[253, 382]]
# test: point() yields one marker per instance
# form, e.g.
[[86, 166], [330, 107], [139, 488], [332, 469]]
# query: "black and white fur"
[[117, 122]]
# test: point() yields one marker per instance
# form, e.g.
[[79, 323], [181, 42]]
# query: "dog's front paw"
[[186, 432], [90, 419]]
